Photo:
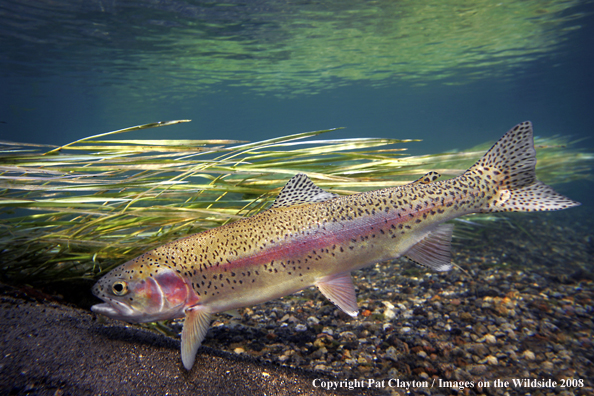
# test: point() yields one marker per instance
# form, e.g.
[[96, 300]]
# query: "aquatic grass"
[[78, 210]]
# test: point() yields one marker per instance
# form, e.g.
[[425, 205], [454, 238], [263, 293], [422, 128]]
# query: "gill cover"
[[142, 296]]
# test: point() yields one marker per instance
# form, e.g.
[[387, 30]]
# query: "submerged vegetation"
[[78, 210]]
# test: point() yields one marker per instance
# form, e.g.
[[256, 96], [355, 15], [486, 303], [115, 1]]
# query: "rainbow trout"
[[312, 237]]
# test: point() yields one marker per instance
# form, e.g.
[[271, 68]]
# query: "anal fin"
[[433, 250], [195, 328], [340, 290]]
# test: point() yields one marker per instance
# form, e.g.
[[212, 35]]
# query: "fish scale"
[[311, 237]]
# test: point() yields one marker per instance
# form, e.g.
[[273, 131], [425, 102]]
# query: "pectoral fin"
[[433, 250], [340, 290], [195, 328]]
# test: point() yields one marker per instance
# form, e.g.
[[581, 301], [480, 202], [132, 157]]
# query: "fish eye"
[[119, 288]]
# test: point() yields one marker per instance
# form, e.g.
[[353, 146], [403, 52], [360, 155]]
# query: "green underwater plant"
[[78, 210]]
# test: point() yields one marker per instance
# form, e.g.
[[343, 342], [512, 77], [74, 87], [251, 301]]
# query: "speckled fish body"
[[312, 237]]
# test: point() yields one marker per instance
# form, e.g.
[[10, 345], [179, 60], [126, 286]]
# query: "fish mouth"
[[115, 310]]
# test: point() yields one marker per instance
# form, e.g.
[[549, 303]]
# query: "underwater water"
[[452, 73]]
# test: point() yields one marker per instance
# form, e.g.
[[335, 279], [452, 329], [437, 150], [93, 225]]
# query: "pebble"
[[528, 355], [466, 316], [328, 330], [390, 311], [547, 366], [477, 369], [479, 349], [392, 353]]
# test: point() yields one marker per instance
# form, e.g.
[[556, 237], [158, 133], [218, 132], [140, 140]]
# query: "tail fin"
[[510, 164]]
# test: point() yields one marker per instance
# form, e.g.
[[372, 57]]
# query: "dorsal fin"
[[301, 190], [427, 179]]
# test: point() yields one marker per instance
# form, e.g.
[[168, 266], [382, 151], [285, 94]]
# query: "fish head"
[[136, 292]]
